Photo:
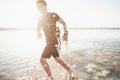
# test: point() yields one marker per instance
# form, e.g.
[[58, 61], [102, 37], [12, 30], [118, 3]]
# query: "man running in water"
[[47, 23]]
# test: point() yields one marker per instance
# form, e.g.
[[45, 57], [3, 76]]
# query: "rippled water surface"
[[20, 50]]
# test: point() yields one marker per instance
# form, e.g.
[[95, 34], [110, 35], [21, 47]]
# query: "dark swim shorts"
[[50, 50]]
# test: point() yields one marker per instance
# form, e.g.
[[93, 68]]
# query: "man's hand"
[[65, 37], [39, 35]]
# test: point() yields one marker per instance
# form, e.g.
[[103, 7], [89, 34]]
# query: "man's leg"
[[46, 67], [71, 76], [60, 61]]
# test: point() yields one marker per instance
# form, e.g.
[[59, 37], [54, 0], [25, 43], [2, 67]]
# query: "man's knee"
[[59, 60], [42, 60]]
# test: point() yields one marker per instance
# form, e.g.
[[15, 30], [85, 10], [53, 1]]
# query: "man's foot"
[[72, 76]]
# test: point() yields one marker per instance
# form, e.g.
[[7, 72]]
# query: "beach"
[[92, 54]]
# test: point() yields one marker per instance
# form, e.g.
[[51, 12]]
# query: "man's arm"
[[65, 29], [39, 35]]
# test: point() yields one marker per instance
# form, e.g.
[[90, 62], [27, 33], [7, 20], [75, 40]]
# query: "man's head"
[[41, 5]]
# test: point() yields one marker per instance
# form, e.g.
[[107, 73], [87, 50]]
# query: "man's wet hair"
[[41, 2]]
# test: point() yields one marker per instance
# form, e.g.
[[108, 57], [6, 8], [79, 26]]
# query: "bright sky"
[[76, 13]]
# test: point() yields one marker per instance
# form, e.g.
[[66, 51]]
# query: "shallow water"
[[20, 50]]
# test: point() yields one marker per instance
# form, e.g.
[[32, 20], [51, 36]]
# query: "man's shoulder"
[[55, 15]]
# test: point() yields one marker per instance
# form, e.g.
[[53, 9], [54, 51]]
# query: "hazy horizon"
[[70, 28]]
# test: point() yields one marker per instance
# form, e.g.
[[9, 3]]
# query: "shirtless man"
[[47, 23]]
